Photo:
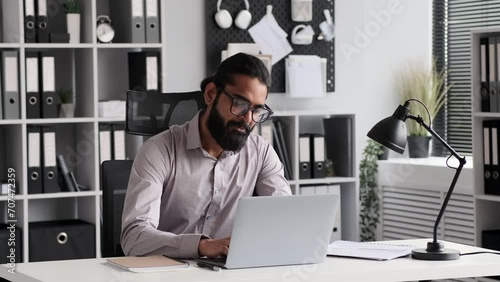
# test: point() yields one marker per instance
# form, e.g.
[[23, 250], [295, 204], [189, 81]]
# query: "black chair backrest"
[[114, 181], [149, 113]]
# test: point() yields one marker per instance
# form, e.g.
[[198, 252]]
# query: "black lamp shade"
[[391, 131]]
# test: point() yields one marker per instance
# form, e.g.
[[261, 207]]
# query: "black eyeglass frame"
[[249, 107]]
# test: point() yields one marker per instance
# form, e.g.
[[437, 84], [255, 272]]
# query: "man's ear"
[[210, 93]]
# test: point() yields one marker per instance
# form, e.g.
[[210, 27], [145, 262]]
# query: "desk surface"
[[333, 269]]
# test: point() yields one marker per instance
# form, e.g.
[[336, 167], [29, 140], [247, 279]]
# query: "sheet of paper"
[[305, 76], [271, 38], [375, 251]]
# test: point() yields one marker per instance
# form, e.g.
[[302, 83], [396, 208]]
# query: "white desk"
[[333, 269]]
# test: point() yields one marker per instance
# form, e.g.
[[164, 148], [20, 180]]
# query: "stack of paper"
[[376, 251]]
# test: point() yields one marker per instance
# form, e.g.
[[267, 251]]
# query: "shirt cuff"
[[189, 245]]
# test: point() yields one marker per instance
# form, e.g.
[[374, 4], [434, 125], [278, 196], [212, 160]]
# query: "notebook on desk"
[[280, 230]]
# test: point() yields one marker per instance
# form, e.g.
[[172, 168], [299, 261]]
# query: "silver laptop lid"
[[281, 230]]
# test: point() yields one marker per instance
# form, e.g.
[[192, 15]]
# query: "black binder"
[[47, 86], [493, 74], [304, 156], [33, 105], [491, 160], [339, 140], [318, 155], [485, 74], [49, 169], [490, 155], [34, 160], [29, 21], [42, 22]]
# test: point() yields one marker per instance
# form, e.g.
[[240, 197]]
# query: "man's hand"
[[214, 248]]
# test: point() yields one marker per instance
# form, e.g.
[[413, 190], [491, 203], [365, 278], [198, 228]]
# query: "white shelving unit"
[[486, 206], [99, 72]]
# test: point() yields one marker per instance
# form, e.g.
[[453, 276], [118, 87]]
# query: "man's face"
[[228, 130]]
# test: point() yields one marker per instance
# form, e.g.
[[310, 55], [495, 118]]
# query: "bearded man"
[[185, 182]]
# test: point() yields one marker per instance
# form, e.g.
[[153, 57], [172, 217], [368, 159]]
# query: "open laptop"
[[280, 230]]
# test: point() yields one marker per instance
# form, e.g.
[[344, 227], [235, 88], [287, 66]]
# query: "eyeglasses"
[[240, 107]]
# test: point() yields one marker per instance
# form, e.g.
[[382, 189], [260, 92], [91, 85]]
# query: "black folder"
[[491, 156], [29, 21], [33, 101], [493, 73], [42, 21], [47, 86], [49, 168], [34, 160], [318, 155], [304, 156], [339, 140], [485, 74]]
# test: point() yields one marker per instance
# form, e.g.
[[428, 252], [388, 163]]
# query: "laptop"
[[280, 230]]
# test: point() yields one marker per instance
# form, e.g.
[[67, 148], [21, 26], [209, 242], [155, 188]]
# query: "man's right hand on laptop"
[[214, 248]]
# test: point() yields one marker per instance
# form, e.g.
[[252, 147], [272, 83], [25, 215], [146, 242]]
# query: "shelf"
[[128, 45], [487, 115], [4, 198], [57, 45], [9, 45], [61, 195], [328, 180], [58, 120], [10, 121], [492, 198], [111, 119]]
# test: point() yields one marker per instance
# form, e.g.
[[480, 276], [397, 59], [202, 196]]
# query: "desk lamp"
[[391, 132]]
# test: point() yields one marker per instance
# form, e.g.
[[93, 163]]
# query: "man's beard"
[[227, 136]]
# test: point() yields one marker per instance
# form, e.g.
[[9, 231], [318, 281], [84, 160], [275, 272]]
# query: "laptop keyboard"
[[221, 260]]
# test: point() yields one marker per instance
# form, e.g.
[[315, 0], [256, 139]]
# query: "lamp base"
[[435, 251]]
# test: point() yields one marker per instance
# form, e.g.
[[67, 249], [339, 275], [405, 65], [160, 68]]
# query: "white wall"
[[395, 32]]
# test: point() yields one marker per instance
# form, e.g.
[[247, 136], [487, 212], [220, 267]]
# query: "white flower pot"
[[73, 27], [67, 110]]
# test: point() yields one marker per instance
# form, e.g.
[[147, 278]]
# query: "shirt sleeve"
[[141, 211], [271, 179]]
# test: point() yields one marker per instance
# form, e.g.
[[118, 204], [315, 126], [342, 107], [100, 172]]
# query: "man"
[[186, 181]]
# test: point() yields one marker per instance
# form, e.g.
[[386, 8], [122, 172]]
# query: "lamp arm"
[[461, 160]]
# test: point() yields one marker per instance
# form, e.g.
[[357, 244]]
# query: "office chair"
[[148, 113]]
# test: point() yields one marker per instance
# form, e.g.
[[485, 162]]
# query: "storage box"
[[61, 240]]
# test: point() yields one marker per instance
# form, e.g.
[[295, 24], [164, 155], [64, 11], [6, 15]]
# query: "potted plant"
[[72, 8], [428, 87], [67, 107], [368, 192]]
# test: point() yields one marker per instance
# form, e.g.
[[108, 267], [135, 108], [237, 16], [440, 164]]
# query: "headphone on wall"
[[224, 20]]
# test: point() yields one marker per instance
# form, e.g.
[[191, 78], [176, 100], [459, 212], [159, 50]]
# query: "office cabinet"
[[486, 203]]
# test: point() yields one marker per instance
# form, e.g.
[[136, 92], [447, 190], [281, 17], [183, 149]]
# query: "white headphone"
[[224, 19]]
